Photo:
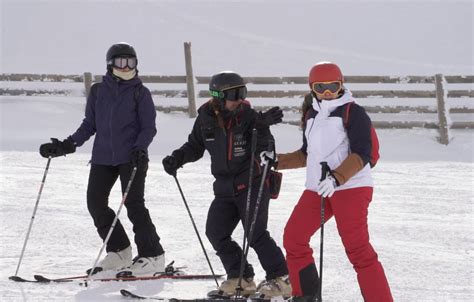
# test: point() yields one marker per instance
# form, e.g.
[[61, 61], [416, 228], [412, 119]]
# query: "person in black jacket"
[[121, 114], [224, 128]]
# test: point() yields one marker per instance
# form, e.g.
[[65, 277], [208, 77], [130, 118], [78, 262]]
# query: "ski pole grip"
[[324, 170]]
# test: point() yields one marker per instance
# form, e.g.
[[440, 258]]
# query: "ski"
[[160, 276], [131, 295], [255, 297], [43, 279], [20, 279], [170, 270]]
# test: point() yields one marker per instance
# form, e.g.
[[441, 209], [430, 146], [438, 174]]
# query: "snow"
[[421, 217], [420, 223]]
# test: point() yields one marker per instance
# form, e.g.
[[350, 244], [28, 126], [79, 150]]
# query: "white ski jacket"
[[327, 140]]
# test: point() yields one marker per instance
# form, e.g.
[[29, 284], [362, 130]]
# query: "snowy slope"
[[420, 220], [420, 223]]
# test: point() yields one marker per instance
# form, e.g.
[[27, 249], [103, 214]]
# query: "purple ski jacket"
[[122, 116]]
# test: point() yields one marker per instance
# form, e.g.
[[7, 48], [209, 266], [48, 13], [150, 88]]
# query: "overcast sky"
[[259, 37]]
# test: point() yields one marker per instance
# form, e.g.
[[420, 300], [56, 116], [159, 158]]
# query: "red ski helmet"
[[325, 72]]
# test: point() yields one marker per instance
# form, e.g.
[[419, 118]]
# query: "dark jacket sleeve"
[[264, 137], [358, 132], [194, 148], [304, 147], [310, 113], [87, 127], [146, 119]]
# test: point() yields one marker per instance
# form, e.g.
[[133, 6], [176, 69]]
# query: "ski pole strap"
[[324, 170]]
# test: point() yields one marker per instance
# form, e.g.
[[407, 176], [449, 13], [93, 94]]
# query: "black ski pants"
[[101, 180], [224, 215]]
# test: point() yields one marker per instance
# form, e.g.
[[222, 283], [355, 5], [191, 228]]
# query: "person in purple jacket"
[[121, 114]]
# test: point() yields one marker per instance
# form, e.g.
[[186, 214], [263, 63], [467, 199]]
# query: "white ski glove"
[[327, 187], [267, 156]]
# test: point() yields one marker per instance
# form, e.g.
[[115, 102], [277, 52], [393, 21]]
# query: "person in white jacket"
[[344, 139]]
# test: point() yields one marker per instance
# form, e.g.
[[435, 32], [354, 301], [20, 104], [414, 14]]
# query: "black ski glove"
[[138, 158], [270, 117], [57, 148], [173, 162]]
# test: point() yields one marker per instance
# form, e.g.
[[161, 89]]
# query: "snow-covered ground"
[[421, 218]]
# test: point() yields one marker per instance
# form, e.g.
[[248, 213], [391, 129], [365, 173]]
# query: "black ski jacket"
[[229, 147]]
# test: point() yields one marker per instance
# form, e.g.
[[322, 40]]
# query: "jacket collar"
[[112, 80], [324, 108]]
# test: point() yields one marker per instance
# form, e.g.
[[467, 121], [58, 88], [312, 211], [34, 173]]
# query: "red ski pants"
[[349, 208]]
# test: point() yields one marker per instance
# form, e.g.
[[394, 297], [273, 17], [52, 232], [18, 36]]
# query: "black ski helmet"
[[120, 49], [227, 85]]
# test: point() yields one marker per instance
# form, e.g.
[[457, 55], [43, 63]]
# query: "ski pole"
[[124, 197], [253, 148], [271, 147], [324, 171], [32, 217], [195, 228]]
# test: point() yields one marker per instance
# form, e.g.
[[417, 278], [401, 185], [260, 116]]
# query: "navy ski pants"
[[224, 215], [101, 181]]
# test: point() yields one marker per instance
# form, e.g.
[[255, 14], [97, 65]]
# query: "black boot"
[[309, 281]]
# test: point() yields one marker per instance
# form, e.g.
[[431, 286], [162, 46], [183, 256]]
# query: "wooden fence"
[[294, 89]]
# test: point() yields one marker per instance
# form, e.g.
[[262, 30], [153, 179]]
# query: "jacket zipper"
[[229, 144], [110, 126]]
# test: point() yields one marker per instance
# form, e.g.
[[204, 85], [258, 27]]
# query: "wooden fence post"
[[190, 80], [443, 111], [87, 82]]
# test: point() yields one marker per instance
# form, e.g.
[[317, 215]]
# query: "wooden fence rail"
[[438, 91], [88, 80], [287, 88]]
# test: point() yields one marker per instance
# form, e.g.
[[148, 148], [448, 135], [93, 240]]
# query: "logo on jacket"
[[239, 145]]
